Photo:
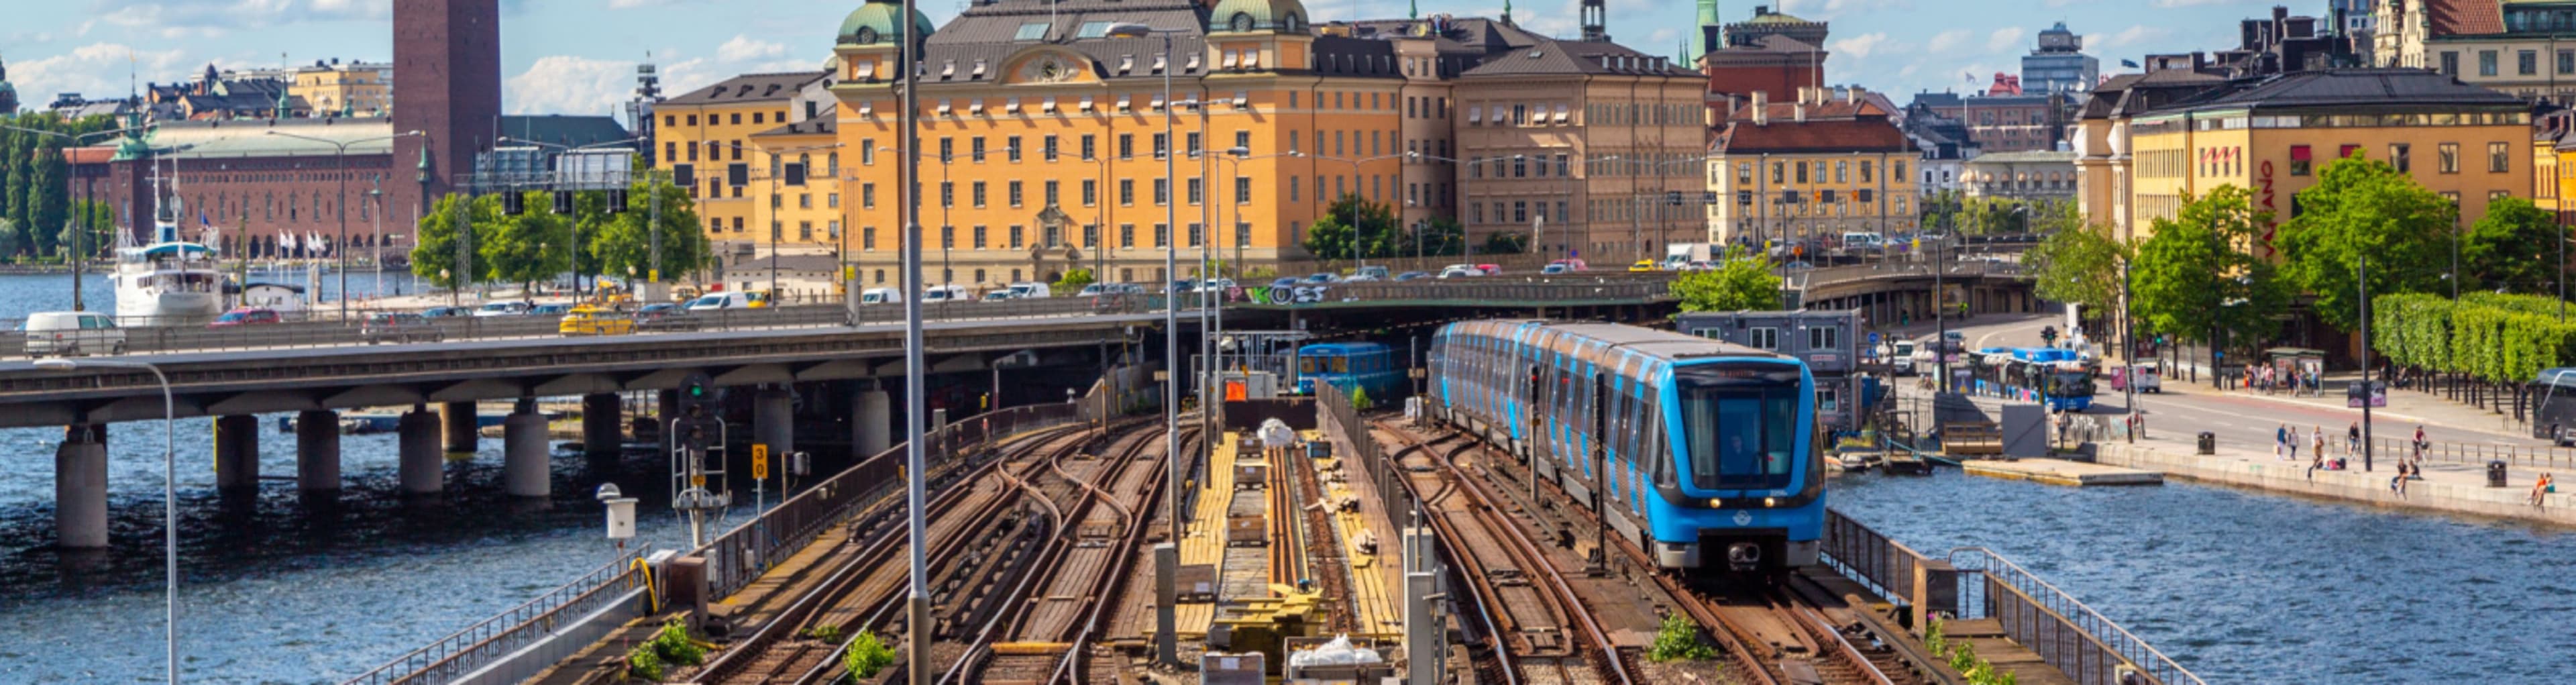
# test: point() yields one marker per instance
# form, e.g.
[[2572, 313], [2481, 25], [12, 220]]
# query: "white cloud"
[[635, 4], [2005, 38], [745, 48], [1858, 47], [97, 69], [566, 84], [1820, 10], [1946, 41], [2133, 35]]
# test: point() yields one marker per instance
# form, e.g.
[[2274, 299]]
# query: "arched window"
[[1240, 22]]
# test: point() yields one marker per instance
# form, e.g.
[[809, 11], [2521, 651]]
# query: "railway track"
[[865, 585], [1537, 630], [1040, 638], [1766, 635]]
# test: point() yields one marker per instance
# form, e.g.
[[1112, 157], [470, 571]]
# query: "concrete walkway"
[[2458, 488]]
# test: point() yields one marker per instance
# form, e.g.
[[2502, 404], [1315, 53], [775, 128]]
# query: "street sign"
[[2378, 395], [759, 461]]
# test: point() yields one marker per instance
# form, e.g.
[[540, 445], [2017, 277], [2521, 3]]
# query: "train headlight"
[[1714, 503], [1768, 502]]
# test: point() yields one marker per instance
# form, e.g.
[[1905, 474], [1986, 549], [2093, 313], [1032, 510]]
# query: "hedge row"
[[2491, 337]]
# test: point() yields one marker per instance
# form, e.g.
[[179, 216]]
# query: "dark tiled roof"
[[824, 123], [2464, 17], [1784, 137], [2351, 87], [570, 131], [1577, 57], [750, 88], [1943, 100]]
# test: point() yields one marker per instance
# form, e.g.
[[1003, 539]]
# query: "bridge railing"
[[1875, 560], [1534, 291], [2066, 633], [478, 645]]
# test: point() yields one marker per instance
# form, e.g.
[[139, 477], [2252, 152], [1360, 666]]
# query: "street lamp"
[[169, 499], [777, 229], [340, 249], [1171, 265], [89, 207]]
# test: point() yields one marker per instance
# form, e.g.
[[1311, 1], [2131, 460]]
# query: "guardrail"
[[1870, 558], [2472, 453], [1488, 289], [2066, 633], [464, 651]]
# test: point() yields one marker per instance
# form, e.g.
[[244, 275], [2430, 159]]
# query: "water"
[[24, 294], [2245, 587]]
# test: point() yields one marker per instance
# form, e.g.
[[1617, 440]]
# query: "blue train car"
[[1365, 365], [1703, 453]]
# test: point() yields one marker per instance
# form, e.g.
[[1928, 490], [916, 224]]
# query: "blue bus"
[[1365, 365], [2062, 379]]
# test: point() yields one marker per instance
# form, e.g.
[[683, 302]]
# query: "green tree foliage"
[[102, 221], [2196, 273], [35, 193], [1332, 237], [534, 246], [1073, 281], [2078, 266], [2487, 336], [1439, 237], [1941, 211], [1744, 283], [2512, 249], [625, 239], [12, 241], [2364, 207], [1504, 242], [1677, 639], [867, 656], [437, 251]]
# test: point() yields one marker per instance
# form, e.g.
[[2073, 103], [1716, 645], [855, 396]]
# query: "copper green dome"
[[1242, 16], [874, 23]]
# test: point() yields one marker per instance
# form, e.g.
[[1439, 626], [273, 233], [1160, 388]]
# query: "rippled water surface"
[[2246, 587]]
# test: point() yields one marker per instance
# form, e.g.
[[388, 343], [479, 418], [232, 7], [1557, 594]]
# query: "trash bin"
[[2495, 474], [2208, 443]]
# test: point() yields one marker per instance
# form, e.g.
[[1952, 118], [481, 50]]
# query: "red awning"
[[2299, 153]]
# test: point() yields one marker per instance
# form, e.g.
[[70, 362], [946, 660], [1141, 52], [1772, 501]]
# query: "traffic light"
[[2048, 335]]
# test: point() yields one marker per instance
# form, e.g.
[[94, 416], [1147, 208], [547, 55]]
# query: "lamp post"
[[89, 207], [169, 500], [777, 229], [1171, 253], [1212, 312], [340, 248]]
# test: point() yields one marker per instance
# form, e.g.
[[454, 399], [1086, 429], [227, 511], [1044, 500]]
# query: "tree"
[[102, 220], [1073, 281], [2197, 273], [2364, 207], [534, 246], [2080, 265], [2512, 248], [12, 241], [437, 251], [1744, 283], [1439, 237], [1332, 236], [1504, 242], [623, 240]]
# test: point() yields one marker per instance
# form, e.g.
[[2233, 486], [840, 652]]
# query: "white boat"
[[167, 282]]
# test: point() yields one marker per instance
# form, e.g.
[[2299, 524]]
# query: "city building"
[[2033, 175], [1826, 163], [8, 93], [254, 187], [731, 144], [1943, 142], [2548, 133], [2058, 64], [1042, 135], [2523, 47], [2359, 22], [2163, 140], [1773, 53], [447, 71], [1827, 341], [348, 89]]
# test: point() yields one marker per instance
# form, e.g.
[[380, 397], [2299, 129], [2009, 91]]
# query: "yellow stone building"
[[1826, 164], [360, 89], [2144, 149], [757, 153]]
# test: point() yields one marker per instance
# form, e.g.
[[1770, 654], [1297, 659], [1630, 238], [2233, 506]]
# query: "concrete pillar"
[[601, 433], [666, 405], [872, 418], [1167, 568], [317, 450], [237, 453], [80, 489], [523, 452], [464, 428], [773, 421], [423, 463]]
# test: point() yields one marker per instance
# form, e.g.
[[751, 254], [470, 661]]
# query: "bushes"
[[2487, 336], [670, 646], [1677, 638], [1963, 658], [866, 656]]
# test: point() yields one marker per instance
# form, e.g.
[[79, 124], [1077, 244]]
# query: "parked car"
[[1183, 286], [1362, 278], [445, 312], [1412, 276], [1699, 265], [665, 316], [1794, 266], [721, 301], [889, 295], [1321, 278], [501, 309], [945, 293], [1490, 269], [590, 320], [1570, 264], [401, 327], [1644, 266], [1373, 273], [999, 296], [550, 310], [1553, 269], [246, 316], [71, 334], [1030, 290], [1216, 285], [1461, 271]]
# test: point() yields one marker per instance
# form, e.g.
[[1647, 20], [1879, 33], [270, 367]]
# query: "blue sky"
[[578, 56]]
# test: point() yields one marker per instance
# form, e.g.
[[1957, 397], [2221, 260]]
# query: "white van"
[[72, 334], [1861, 241], [946, 293], [1030, 290], [881, 296], [717, 301]]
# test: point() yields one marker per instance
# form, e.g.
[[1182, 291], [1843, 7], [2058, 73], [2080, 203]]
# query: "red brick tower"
[[447, 85]]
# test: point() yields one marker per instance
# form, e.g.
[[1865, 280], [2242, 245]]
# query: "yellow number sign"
[[759, 461]]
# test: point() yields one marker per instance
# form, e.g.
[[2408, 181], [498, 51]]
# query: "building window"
[[867, 152], [2566, 62], [1127, 191], [1054, 193], [2449, 155], [1126, 236], [979, 237], [2400, 156], [1243, 189], [1824, 338], [1090, 147], [1765, 338], [1744, 174], [1016, 235], [2299, 160], [2486, 62], [1197, 190], [867, 196], [2499, 158], [2526, 62], [1015, 193], [1090, 192], [978, 189], [1126, 146], [1013, 153], [1162, 235]]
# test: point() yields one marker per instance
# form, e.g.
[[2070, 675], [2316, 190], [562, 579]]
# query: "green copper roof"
[[1257, 15], [874, 22], [1775, 18]]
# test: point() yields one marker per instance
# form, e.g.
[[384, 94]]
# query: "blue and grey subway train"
[[1711, 448], [1367, 366]]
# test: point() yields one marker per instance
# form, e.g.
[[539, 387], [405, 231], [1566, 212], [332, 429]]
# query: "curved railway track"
[[866, 583]]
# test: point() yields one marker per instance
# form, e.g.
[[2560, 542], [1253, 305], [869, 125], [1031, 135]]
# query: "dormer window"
[[948, 68], [1193, 64], [1226, 61], [1126, 63], [1158, 64], [979, 69]]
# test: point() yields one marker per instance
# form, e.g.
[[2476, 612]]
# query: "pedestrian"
[[2398, 484], [2294, 443], [2540, 490], [2352, 439], [2281, 442], [2316, 461], [2317, 441], [2420, 443]]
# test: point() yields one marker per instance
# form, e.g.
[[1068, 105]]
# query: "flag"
[[1972, 78], [2130, 63]]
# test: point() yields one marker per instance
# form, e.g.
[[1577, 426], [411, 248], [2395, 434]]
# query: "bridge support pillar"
[[601, 433], [872, 422], [666, 406], [317, 451], [237, 453], [773, 421], [464, 428], [523, 451], [80, 488], [422, 459]]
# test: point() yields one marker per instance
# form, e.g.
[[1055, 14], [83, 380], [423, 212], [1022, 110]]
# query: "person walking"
[[2317, 441], [2281, 442], [2294, 443], [2352, 440], [2420, 443]]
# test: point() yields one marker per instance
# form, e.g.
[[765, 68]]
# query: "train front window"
[[1740, 424]]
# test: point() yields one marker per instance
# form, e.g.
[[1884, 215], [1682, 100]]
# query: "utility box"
[[2208, 443]]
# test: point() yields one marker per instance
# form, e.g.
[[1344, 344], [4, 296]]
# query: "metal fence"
[[478, 645], [2066, 633], [1862, 554], [2470, 453]]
